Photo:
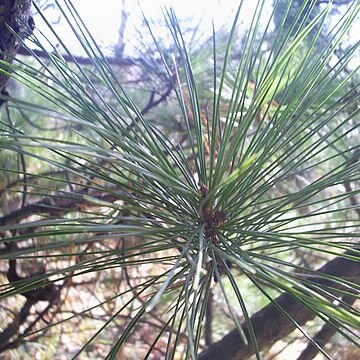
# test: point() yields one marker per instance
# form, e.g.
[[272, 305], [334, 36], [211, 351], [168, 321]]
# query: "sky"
[[108, 19], [104, 21]]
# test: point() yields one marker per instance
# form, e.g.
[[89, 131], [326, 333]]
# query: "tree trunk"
[[14, 18]]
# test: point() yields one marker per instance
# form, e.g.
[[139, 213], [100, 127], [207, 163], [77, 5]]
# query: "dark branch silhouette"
[[271, 324], [115, 60], [327, 331]]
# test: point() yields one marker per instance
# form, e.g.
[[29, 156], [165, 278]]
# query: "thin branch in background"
[[5, 344], [43, 291], [53, 298], [150, 105], [208, 319], [112, 60], [120, 46], [31, 178], [49, 292], [54, 207], [153, 103], [38, 127]]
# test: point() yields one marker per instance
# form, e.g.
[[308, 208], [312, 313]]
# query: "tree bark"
[[270, 324], [14, 18]]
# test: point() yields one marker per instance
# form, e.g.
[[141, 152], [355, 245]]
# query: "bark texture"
[[271, 325], [14, 18]]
